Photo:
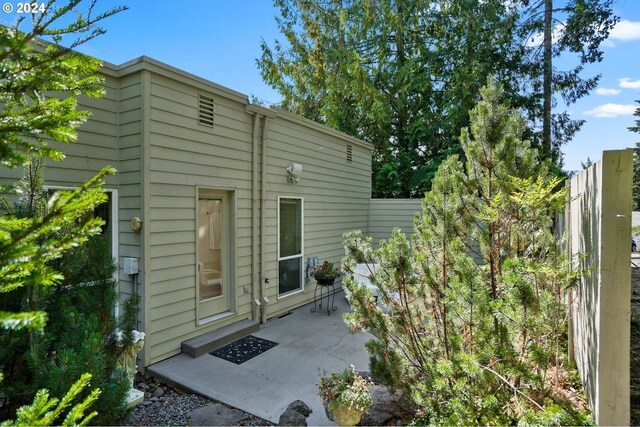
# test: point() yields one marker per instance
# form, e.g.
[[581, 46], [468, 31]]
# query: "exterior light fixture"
[[294, 171]]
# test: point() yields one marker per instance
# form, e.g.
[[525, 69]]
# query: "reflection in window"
[[210, 274], [290, 245]]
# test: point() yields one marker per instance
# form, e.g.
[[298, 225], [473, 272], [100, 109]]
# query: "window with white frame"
[[108, 212], [290, 245]]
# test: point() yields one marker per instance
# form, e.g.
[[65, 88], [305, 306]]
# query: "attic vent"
[[349, 153], [205, 110]]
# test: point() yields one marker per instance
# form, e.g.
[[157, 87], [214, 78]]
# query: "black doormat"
[[243, 349]]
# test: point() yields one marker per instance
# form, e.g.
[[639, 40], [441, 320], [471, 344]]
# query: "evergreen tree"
[[29, 121], [401, 75], [45, 410], [474, 332], [586, 164], [575, 26], [79, 336], [404, 75], [31, 118]]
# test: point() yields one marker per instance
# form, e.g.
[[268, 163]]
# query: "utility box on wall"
[[131, 265]]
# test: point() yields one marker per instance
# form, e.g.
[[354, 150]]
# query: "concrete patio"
[[308, 343]]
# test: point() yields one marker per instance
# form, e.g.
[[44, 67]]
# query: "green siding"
[[386, 214], [183, 154], [335, 192], [130, 174], [146, 126]]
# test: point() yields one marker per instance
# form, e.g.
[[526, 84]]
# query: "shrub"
[[79, 336], [45, 411], [475, 327]]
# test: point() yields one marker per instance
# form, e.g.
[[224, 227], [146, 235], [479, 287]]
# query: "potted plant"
[[326, 273], [346, 396]]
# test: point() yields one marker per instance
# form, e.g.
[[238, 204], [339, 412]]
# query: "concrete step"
[[205, 343]]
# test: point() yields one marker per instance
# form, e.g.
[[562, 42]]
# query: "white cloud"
[[608, 43], [612, 110], [607, 92], [627, 83], [625, 30]]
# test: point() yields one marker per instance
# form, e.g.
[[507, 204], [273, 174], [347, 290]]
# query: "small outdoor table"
[[330, 291]]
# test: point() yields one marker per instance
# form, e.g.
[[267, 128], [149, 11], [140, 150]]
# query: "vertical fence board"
[[599, 226]]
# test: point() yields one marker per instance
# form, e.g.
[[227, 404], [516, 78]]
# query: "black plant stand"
[[330, 288]]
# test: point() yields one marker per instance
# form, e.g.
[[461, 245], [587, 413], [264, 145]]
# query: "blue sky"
[[219, 40]]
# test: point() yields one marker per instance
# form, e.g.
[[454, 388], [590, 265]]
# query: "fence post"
[[599, 218]]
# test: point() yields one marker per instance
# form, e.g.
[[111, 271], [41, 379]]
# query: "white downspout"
[[263, 202], [255, 278]]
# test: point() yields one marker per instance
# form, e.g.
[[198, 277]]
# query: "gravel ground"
[[164, 406]]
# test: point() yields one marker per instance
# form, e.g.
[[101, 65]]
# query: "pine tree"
[[401, 75], [79, 337], [31, 119], [473, 330], [46, 411]]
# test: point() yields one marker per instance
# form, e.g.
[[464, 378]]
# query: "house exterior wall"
[[111, 136], [335, 193], [185, 156], [97, 144], [386, 214], [130, 180], [146, 126], [179, 156]]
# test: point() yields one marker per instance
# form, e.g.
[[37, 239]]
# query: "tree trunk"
[[548, 75], [402, 119]]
